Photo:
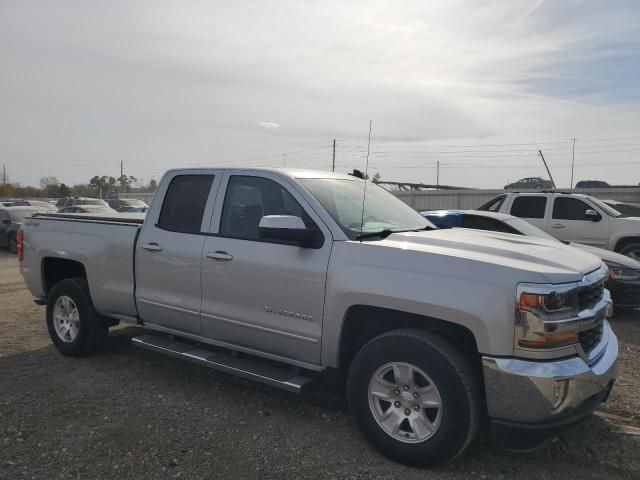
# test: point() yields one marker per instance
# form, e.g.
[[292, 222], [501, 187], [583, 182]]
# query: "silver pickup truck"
[[278, 275]]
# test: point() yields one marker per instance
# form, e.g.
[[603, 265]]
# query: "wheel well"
[[56, 269], [623, 242], [363, 323]]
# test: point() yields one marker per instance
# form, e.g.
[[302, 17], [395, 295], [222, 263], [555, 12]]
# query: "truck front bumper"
[[530, 401]]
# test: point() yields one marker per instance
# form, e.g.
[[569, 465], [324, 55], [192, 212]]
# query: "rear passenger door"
[[570, 223], [169, 252], [532, 208], [263, 295]]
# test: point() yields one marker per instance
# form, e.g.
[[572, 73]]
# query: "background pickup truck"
[[573, 217], [279, 275]]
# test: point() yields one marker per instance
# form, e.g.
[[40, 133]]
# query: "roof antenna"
[[366, 175]]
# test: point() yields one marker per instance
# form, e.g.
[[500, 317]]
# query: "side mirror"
[[592, 215], [287, 228], [6, 221]]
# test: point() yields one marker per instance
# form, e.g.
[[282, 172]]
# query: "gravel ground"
[[128, 413]]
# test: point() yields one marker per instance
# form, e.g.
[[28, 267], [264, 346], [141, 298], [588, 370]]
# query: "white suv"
[[573, 217]]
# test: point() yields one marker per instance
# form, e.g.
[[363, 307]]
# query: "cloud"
[[159, 85], [269, 125]]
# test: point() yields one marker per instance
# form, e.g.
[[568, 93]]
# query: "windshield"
[[612, 212], [626, 209], [342, 198], [526, 228]]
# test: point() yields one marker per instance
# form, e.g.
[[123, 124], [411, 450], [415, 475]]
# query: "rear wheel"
[[13, 244], [414, 397], [631, 250], [75, 327]]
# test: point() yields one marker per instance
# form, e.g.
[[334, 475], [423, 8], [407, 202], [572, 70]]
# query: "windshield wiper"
[[384, 233]]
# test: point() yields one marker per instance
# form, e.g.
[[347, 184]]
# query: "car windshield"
[[627, 209], [526, 228], [342, 198]]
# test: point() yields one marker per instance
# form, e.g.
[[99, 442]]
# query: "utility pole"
[[573, 159], [121, 175], [547, 167], [333, 164], [437, 173], [4, 174]]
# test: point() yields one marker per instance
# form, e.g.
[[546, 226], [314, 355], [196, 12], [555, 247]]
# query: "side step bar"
[[263, 371]]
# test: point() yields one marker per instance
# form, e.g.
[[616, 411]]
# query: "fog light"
[[560, 390]]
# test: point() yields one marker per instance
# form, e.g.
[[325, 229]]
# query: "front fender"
[[478, 296]]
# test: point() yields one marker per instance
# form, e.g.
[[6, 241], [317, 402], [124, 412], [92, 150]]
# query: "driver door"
[[259, 294], [570, 223]]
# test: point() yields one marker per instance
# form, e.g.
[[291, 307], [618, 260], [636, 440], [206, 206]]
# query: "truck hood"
[[556, 262]]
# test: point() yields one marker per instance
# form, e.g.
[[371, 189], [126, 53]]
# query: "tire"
[[12, 244], [454, 423], [631, 250], [85, 329]]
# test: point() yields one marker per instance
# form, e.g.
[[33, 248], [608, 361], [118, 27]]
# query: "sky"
[[478, 86]]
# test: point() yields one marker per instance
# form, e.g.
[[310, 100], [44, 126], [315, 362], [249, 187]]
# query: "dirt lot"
[[128, 413]]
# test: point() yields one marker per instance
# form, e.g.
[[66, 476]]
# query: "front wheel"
[[75, 327], [631, 250], [414, 397]]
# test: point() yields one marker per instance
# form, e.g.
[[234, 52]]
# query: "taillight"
[[20, 244]]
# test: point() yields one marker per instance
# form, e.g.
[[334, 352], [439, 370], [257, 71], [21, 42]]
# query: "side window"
[[248, 199], [494, 204], [529, 206], [570, 209], [184, 203], [483, 223]]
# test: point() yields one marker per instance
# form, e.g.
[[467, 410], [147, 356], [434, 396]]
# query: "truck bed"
[[104, 245]]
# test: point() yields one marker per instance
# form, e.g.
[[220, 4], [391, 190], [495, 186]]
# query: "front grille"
[[589, 295], [590, 338]]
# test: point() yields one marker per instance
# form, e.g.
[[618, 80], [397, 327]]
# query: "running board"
[[263, 371]]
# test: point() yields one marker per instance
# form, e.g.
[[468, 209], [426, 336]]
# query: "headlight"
[[546, 316], [620, 272]]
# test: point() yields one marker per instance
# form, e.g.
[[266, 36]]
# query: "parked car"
[[11, 218], [101, 209], [625, 208], [530, 183], [127, 204], [624, 272], [573, 217], [46, 206], [14, 202], [432, 328], [71, 201], [592, 184]]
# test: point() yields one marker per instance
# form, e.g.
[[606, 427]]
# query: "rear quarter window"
[[184, 203]]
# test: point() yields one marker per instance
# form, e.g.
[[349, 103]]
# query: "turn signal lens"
[[549, 340]]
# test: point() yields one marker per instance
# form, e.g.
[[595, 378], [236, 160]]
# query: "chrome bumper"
[[530, 392]]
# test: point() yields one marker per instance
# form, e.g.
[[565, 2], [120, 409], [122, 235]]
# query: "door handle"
[[152, 247], [220, 255], [557, 225]]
